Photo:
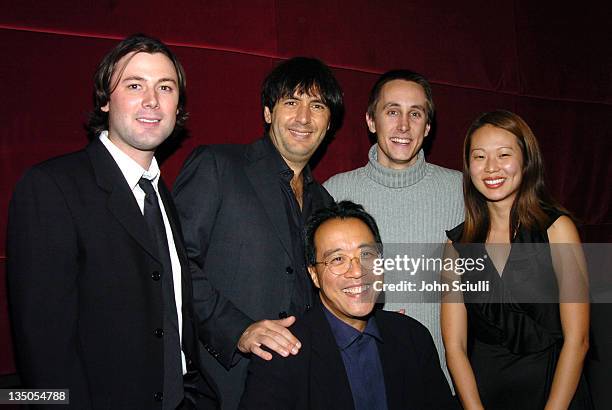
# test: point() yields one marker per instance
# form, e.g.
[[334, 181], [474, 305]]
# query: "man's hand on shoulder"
[[273, 334]]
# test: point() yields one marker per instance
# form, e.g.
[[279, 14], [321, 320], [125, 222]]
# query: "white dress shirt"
[[132, 171]]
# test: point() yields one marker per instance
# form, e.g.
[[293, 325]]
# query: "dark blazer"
[[316, 378], [237, 237], [85, 298]]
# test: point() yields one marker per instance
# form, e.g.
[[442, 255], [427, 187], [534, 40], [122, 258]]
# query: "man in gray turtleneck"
[[412, 200]]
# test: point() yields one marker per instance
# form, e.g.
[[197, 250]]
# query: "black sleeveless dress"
[[513, 347]]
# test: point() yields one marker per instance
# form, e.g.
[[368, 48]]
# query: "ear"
[[314, 276], [267, 115], [105, 108], [427, 128], [371, 123]]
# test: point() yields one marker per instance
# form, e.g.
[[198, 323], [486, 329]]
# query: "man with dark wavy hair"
[[243, 208], [100, 291]]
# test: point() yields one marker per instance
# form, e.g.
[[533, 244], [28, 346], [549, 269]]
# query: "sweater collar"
[[394, 178]]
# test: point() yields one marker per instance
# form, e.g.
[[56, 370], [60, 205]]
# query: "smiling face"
[[400, 123], [298, 124], [350, 297], [143, 105], [496, 164]]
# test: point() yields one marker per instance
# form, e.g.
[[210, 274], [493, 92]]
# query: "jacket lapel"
[[328, 375], [189, 336], [261, 171], [177, 234], [393, 368], [121, 202]]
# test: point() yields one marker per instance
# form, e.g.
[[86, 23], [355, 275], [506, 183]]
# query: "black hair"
[[137, 43], [405, 75], [337, 210], [304, 75]]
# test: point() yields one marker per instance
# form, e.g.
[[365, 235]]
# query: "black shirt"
[[359, 352], [302, 294]]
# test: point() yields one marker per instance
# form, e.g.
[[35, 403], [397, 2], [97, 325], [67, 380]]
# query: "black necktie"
[[173, 370]]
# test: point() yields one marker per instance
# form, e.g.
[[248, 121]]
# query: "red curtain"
[[550, 65]]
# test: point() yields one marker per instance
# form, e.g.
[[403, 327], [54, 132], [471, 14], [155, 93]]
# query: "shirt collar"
[[345, 334], [281, 166], [131, 170], [395, 178]]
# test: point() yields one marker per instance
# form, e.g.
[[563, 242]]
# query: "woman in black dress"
[[528, 351]]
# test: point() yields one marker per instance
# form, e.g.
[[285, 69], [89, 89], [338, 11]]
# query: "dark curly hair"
[[304, 75]]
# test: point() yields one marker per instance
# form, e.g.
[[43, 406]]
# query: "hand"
[[402, 311], [272, 334]]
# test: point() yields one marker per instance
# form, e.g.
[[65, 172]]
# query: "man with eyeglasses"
[[353, 355]]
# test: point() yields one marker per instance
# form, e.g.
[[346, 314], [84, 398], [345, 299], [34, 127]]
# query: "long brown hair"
[[532, 200]]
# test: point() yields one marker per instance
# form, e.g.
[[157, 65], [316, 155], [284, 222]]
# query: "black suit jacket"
[[84, 298], [316, 378], [237, 237]]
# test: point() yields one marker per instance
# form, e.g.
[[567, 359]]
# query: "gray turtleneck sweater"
[[415, 205]]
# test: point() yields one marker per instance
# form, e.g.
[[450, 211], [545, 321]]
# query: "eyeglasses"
[[339, 264]]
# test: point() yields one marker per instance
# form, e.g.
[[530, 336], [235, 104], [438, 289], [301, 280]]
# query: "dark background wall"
[[547, 61]]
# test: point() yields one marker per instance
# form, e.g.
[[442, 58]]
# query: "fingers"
[[286, 338], [262, 353], [402, 311], [271, 334], [286, 322]]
